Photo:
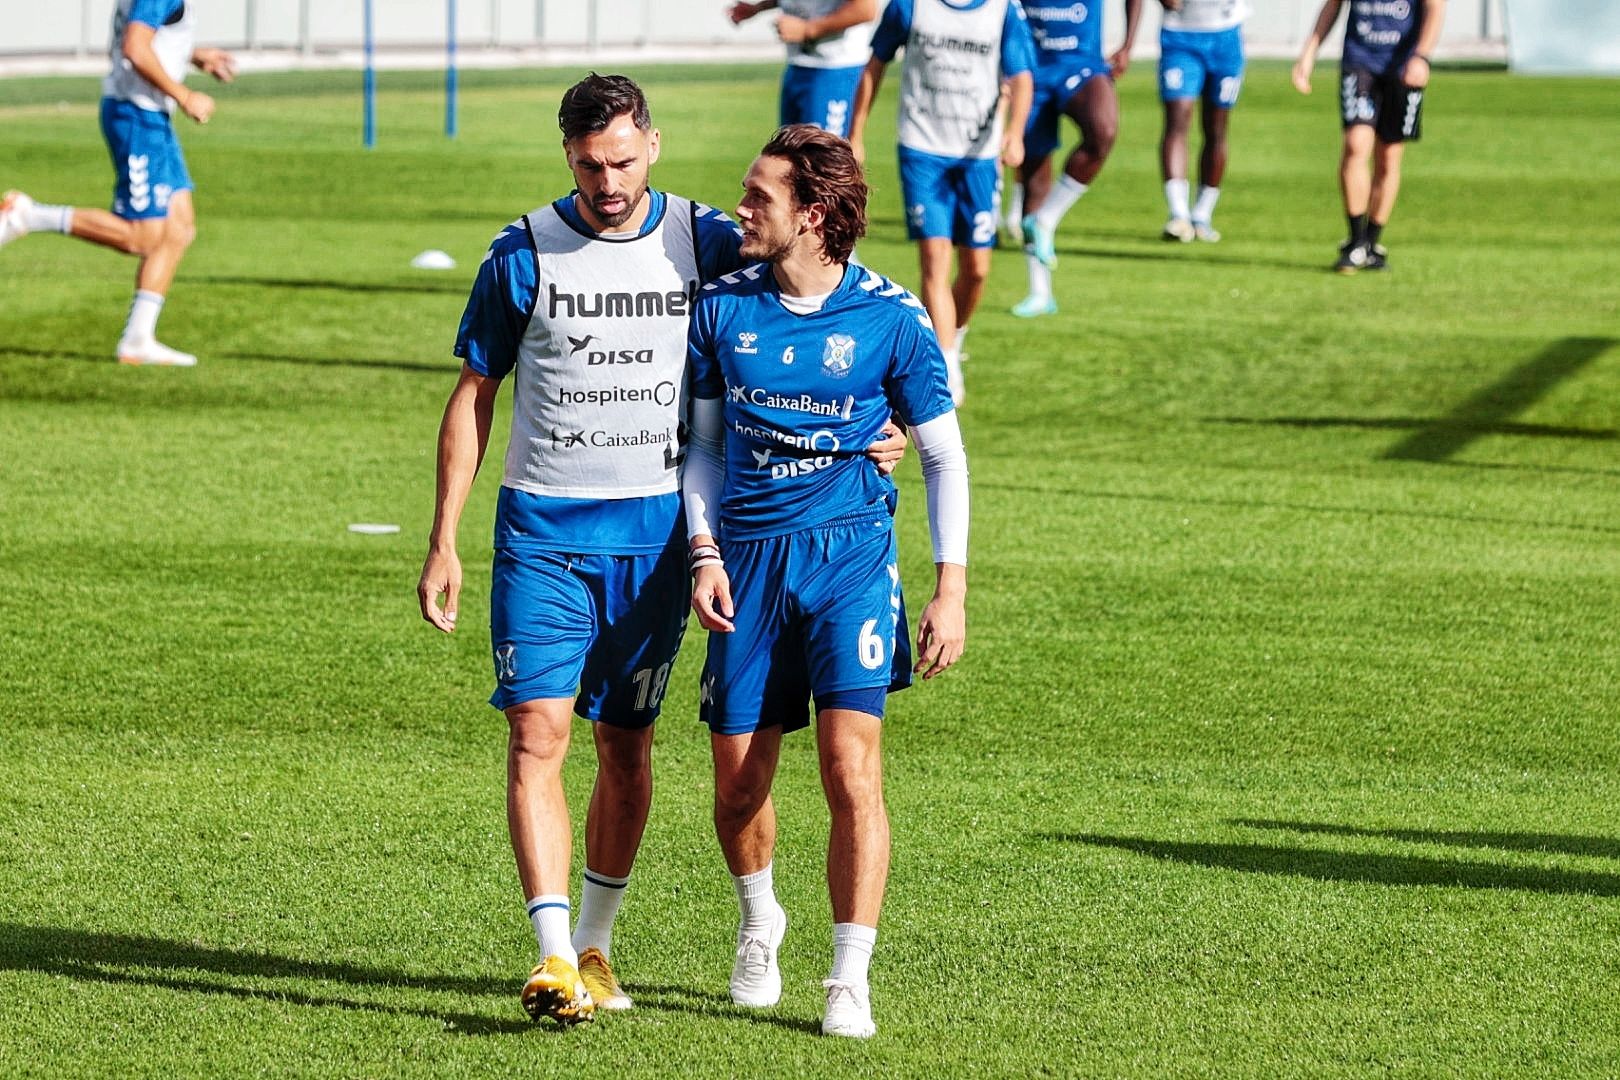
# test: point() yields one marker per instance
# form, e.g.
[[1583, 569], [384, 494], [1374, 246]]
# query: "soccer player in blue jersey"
[[1071, 79], [957, 54], [795, 361], [1382, 77], [584, 304], [1200, 59], [827, 45], [153, 44]]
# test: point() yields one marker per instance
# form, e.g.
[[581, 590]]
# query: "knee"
[[534, 738], [179, 233], [625, 756], [738, 794], [855, 785], [1102, 138], [972, 275]]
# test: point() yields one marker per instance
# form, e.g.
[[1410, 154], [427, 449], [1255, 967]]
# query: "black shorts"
[[1393, 109]]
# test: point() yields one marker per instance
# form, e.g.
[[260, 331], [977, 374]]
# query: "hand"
[[711, 598], [887, 451], [941, 635], [1120, 61], [741, 12], [216, 62], [1012, 149], [441, 576], [1302, 73], [857, 146], [792, 30], [1415, 73], [198, 105]]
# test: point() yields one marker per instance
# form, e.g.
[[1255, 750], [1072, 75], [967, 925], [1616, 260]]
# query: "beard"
[[631, 202], [763, 249]]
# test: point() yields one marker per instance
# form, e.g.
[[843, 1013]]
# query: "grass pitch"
[[1285, 742]]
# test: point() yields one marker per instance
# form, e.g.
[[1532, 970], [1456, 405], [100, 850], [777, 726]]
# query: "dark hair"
[[591, 104], [823, 169]]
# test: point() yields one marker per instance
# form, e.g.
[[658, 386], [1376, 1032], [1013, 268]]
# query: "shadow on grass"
[[1601, 846], [457, 287], [435, 367], [1198, 255], [1471, 429], [132, 960], [1358, 868]]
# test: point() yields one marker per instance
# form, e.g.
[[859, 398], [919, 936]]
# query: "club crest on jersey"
[[505, 662], [745, 342], [839, 355]]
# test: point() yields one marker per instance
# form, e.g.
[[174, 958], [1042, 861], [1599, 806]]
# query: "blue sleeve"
[[916, 384], [703, 363], [718, 241], [892, 30], [1017, 43], [154, 13], [501, 302]]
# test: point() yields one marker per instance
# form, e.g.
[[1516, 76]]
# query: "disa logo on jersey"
[[598, 357]]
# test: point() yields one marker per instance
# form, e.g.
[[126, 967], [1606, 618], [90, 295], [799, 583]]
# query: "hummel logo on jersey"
[[579, 343], [622, 305], [745, 342]]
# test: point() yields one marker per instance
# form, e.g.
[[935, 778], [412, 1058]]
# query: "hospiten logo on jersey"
[[839, 355]]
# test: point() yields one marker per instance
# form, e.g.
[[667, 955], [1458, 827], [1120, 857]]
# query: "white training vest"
[[173, 43], [848, 48], [951, 80], [1207, 15], [600, 379]]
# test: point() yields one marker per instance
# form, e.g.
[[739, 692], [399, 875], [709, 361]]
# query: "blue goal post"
[[452, 79]]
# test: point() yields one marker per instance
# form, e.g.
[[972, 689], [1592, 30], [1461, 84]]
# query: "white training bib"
[[951, 80], [849, 47], [174, 43], [1207, 15], [600, 379]]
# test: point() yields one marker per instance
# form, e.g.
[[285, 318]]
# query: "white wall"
[[66, 26]]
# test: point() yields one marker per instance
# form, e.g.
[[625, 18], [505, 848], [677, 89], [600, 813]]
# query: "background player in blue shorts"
[[958, 52], [1200, 59], [827, 43], [153, 44], [584, 303], [794, 361], [1382, 76], [1071, 79]]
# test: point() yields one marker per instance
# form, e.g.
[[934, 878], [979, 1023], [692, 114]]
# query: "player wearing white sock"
[[1200, 61]]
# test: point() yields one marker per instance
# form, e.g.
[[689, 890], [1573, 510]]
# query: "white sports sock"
[[1040, 278], [1175, 193], [1064, 194], [44, 218], [756, 900], [1015, 208], [549, 915], [143, 316], [852, 952], [1204, 209], [599, 899], [961, 334]]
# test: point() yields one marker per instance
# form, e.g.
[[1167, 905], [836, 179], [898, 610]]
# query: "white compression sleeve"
[[945, 475], [703, 478]]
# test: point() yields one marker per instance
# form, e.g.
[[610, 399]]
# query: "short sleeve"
[[500, 304], [154, 13], [706, 378], [892, 30], [916, 385], [1017, 42]]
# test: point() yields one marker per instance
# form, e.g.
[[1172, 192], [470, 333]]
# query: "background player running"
[[152, 218], [793, 362], [1200, 59], [1382, 77], [1071, 79], [827, 45]]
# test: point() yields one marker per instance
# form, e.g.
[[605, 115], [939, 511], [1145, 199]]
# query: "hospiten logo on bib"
[[839, 355]]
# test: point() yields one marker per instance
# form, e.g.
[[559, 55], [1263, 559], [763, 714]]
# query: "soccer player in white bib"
[[153, 44], [1200, 60], [827, 42], [1382, 78], [957, 54], [795, 361], [584, 304]]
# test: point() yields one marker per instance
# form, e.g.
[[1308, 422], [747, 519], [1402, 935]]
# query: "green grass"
[[1284, 744]]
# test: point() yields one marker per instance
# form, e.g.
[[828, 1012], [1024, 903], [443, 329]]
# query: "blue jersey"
[[1065, 31], [503, 301], [1381, 35], [805, 395]]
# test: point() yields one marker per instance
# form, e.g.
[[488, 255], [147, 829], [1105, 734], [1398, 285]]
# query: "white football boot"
[[14, 210], [152, 352], [849, 1011], [1178, 228], [755, 978]]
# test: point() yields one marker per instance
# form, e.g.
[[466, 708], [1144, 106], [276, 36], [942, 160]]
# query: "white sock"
[[44, 218], [756, 900], [599, 899], [1205, 207], [143, 316], [1040, 278], [852, 952], [1064, 194], [1175, 193], [1015, 208], [961, 334], [549, 915]]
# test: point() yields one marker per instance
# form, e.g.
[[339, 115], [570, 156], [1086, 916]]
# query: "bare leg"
[[1096, 110], [620, 800], [1036, 176], [1212, 159], [1354, 183], [858, 846], [1173, 144], [156, 272], [934, 256], [744, 816], [972, 269], [1386, 181], [536, 810]]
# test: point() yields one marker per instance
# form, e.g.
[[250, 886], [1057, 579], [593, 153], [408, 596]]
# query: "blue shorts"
[[1201, 64], [957, 198], [607, 626], [146, 157], [1054, 87], [818, 612], [819, 96]]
